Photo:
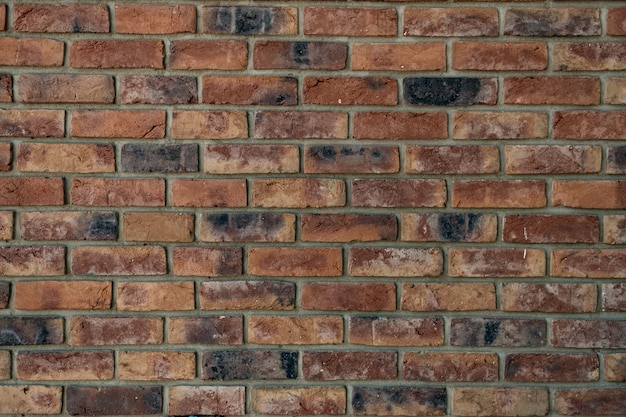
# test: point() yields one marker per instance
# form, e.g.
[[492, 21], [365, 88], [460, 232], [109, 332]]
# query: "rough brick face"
[[154, 19], [450, 22], [61, 18], [513, 56], [397, 401], [53, 295], [31, 52], [210, 55], [59, 88], [49, 157], [299, 401], [32, 123], [31, 399], [332, 366], [398, 56], [551, 367], [514, 402], [37, 366], [497, 332], [389, 331], [116, 54], [99, 331], [114, 400], [250, 20], [194, 400], [346, 21], [451, 160], [453, 367]]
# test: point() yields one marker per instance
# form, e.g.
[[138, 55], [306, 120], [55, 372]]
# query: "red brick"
[[154, 18], [552, 22], [501, 401], [31, 52], [551, 367], [614, 229], [59, 157], [616, 160], [348, 227], [450, 367], [158, 227], [591, 402], [549, 298], [496, 262], [65, 88], [615, 90], [250, 90], [400, 126], [295, 262], [338, 366], [6, 225], [448, 297], [613, 297], [32, 123], [521, 159], [118, 260], [198, 124], [398, 193], [96, 401], [347, 21], [380, 91], [153, 89], [247, 295], [500, 56], [451, 160], [299, 55], [209, 55], [584, 91], [589, 194], [204, 400], [31, 399], [250, 20], [60, 295], [616, 21], [99, 331], [31, 331], [155, 296], [398, 56], [144, 124], [586, 334], [3, 17], [25, 261], [589, 56], [55, 366], [31, 191], [449, 227], [583, 124], [6, 86], [615, 367], [298, 192], [300, 125], [500, 125], [6, 156], [299, 401], [209, 193], [211, 262], [122, 192], [61, 18], [553, 228], [156, 366], [295, 330], [5, 365], [116, 54], [352, 296], [329, 159], [399, 401], [247, 227], [396, 331], [395, 262], [216, 330], [251, 159], [498, 194], [497, 332], [588, 263], [450, 22]]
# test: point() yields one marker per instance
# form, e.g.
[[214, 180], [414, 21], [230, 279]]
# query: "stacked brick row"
[[313, 208]]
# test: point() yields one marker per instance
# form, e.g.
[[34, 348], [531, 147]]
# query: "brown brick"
[[198, 124], [31, 52], [583, 91], [3, 17], [522, 159], [395, 262], [65, 88], [6, 156], [450, 22], [551, 367], [5, 365], [451, 160], [227, 365], [295, 330], [144, 124], [500, 125], [450, 367], [216, 330], [248, 227], [31, 399], [251, 159], [61, 18], [448, 297], [5, 294], [400, 125], [32, 123], [498, 194], [205, 400], [603, 334], [156, 366], [348, 227], [153, 89], [100, 331], [614, 297], [63, 295], [155, 18], [247, 295], [449, 91], [500, 56], [209, 193], [97, 401], [6, 225], [591, 402], [30, 331], [328, 159], [120, 192], [348, 21], [616, 160], [58, 157], [295, 262], [497, 332], [589, 194], [348, 296], [588, 263], [380, 91], [449, 227], [300, 55], [118, 260], [396, 331], [586, 124], [250, 20], [496, 262], [31, 191], [399, 401], [153, 296], [504, 402], [339, 366], [298, 192], [158, 227], [589, 56], [615, 89], [247, 90], [300, 125], [616, 21], [6, 88], [399, 56], [549, 298], [552, 22], [615, 367], [299, 401], [25, 261], [398, 193], [108, 53], [209, 55], [211, 262], [59, 225], [54, 366], [553, 228]]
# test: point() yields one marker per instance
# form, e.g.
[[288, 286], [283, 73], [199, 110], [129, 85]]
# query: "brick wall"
[[297, 208]]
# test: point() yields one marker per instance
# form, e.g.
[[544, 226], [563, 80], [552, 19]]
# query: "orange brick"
[[540, 159], [65, 88], [100, 331], [247, 295], [500, 125], [250, 90], [118, 192], [118, 260], [251, 159], [301, 330], [502, 194], [348, 227], [158, 227], [398, 193], [552, 90], [144, 124], [61, 18], [298, 192], [299, 401], [589, 194], [380, 91], [300, 125], [451, 160], [553, 228], [209, 55], [31, 191], [396, 331], [448, 297], [295, 262], [154, 18], [211, 330], [574, 21], [581, 124], [500, 56], [209, 193], [352, 296], [155, 296], [24, 261], [395, 262], [158, 89], [398, 56], [156, 366], [450, 22], [589, 56], [60, 295], [31, 399], [56, 366], [197, 261], [496, 262], [346, 21], [400, 125], [57, 157], [32, 123], [549, 298], [31, 52], [116, 54], [197, 124]]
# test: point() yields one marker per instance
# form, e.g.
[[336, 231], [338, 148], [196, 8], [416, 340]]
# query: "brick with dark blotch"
[[68, 226], [61, 18], [247, 295], [250, 90], [250, 20], [588, 124], [300, 125], [47, 366], [552, 90], [616, 160], [549, 298], [209, 193], [450, 367], [470, 159], [299, 400], [300, 55], [228, 365], [498, 194], [31, 399], [32, 123], [395, 262], [36, 52], [615, 367], [614, 297], [251, 159], [207, 400], [328, 159], [16, 331], [616, 21], [396, 331], [211, 55], [589, 56], [500, 401], [552, 22], [101, 331], [212, 330], [65, 88], [380, 91], [350, 21], [155, 18], [348, 227], [118, 192], [588, 263], [340, 366], [216, 124], [591, 402], [6, 88], [23, 261], [118, 260], [555, 228], [483, 125], [159, 158], [139, 53], [92, 401], [158, 90], [448, 297], [247, 227], [135, 124], [450, 22], [551, 367], [400, 125], [31, 191], [450, 91], [585, 334], [449, 227], [497, 332], [589, 194], [5, 293], [614, 229], [399, 401], [398, 193], [348, 296], [211, 262], [539, 159]]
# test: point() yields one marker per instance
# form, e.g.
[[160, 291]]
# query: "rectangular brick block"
[[550, 228], [450, 22], [616, 160], [500, 56], [348, 21], [209, 193], [5, 365], [154, 18], [300, 125], [591, 402], [268, 90], [549, 298], [32, 123], [396, 331], [500, 125], [497, 332], [587, 124], [251, 159], [211, 330], [65, 88], [398, 193], [398, 401], [328, 159], [615, 89], [154, 89], [295, 330], [295, 262], [299, 55], [228, 365], [469, 159], [17, 331], [32, 191], [589, 194], [25, 261], [586, 334], [61, 18], [58, 225], [160, 158], [249, 20], [340, 366], [129, 124], [51, 366], [208, 55], [589, 56], [522, 159], [247, 295], [58, 157], [348, 227], [398, 56], [616, 21], [381, 91], [118, 192], [395, 262], [62, 295], [615, 367], [614, 297], [205, 400], [211, 262], [31, 399], [198, 124], [400, 125], [496, 262], [6, 87], [155, 296], [138, 53], [348, 296], [299, 401], [247, 227], [448, 297], [449, 227], [118, 260], [552, 22], [102, 331], [298, 192], [5, 293], [505, 402], [588, 263], [158, 227], [6, 156], [450, 367], [98, 401], [156, 366], [584, 91], [31, 52], [449, 91], [498, 194], [551, 367]]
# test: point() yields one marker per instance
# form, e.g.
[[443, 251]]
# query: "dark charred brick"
[[92, 401], [552, 22], [5, 292], [16, 331], [159, 90], [327, 159], [249, 365], [457, 227], [399, 401], [531, 367], [300, 55], [250, 20], [159, 158], [69, 226], [335, 366], [247, 227], [616, 160], [218, 330], [497, 332], [449, 91]]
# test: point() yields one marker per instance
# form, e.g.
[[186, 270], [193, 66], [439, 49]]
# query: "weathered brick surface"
[[31, 331], [607, 263], [116, 54], [298, 192], [451, 160], [61, 18], [6, 87], [615, 367], [553, 22], [137, 89], [497, 262], [226, 365], [42, 366], [399, 125], [395, 262], [450, 22], [6, 156], [250, 90], [483, 402], [190, 261], [32, 123], [53, 295], [452, 367], [295, 330], [194, 124], [616, 160], [146, 124], [57, 225], [552, 90], [155, 296], [300, 125], [208, 55], [5, 289], [605, 334], [212, 330], [33, 52], [593, 56], [398, 193], [209, 193], [114, 400], [614, 297], [391, 331], [398, 56], [361, 297], [397, 401], [448, 297], [498, 194], [449, 227], [299, 55], [89, 191], [333, 366], [5, 365], [348, 227], [522, 159], [118, 260], [490, 125], [239, 227], [589, 194], [159, 158], [156, 366], [250, 20], [346, 21], [531, 367], [61, 88], [99, 331], [449, 91], [497, 332], [154, 19], [31, 399], [24, 261], [299, 401], [594, 402], [49, 157], [157, 227], [247, 295], [350, 91], [563, 228], [251, 159], [549, 298], [206, 400], [615, 90], [511, 56]]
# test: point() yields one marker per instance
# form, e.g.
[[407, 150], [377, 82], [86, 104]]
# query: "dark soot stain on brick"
[[245, 20], [456, 227], [300, 52], [289, 363], [441, 91], [103, 226], [617, 156], [491, 331]]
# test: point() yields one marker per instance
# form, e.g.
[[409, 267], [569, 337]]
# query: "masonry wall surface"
[[372, 208]]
